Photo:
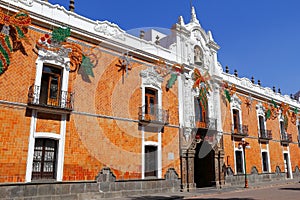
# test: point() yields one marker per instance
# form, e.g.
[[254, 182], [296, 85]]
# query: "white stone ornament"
[[110, 30]]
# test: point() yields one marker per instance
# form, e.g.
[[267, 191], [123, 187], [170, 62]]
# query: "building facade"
[[80, 95]]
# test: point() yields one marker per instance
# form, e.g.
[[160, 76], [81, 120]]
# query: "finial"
[[180, 20], [274, 89], [193, 16], [279, 91], [142, 34], [258, 82], [227, 69], [235, 73], [252, 79], [72, 6], [157, 40]]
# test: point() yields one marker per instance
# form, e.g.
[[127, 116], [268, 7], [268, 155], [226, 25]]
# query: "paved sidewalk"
[[202, 192]]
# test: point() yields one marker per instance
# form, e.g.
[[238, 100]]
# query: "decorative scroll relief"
[[260, 109], [110, 30], [197, 34], [236, 101], [188, 104], [61, 56], [269, 91], [151, 77], [247, 83], [25, 2]]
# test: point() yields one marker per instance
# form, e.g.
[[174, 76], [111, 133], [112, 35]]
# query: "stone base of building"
[[104, 187], [256, 178]]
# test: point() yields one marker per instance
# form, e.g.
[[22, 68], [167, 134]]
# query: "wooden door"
[[44, 159]]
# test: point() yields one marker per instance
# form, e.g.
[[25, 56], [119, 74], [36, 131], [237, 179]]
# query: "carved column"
[[191, 158], [187, 164], [184, 170], [219, 162]]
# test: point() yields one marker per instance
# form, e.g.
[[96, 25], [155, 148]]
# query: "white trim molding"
[[60, 137]]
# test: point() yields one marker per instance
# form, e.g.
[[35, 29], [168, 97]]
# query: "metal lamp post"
[[243, 144]]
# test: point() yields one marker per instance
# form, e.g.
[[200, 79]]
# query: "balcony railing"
[[64, 99], [209, 123], [239, 130], [265, 134], [286, 138], [153, 115]]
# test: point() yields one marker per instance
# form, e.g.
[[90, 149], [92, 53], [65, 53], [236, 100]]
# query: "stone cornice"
[[213, 45], [105, 33], [246, 86]]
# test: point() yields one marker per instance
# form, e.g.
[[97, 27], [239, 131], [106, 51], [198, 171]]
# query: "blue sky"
[[259, 38]]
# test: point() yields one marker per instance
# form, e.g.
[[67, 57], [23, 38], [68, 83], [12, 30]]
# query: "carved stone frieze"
[[247, 83], [110, 30], [61, 56], [236, 102], [151, 77], [187, 134], [260, 109], [25, 2]]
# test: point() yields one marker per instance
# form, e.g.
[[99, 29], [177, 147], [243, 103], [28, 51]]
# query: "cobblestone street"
[[287, 190], [291, 191]]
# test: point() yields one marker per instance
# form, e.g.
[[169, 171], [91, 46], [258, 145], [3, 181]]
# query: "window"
[[282, 131], [239, 162], [150, 161], [44, 159], [262, 130], [50, 86], [151, 103], [200, 113], [265, 163], [236, 120]]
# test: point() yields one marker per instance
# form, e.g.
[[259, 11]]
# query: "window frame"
[[236, 161], [266, 161]]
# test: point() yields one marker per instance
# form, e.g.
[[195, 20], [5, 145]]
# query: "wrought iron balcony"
[[239, 130], [153, 115], [264, 135], [208, 123], [63, 100], [285, 138]]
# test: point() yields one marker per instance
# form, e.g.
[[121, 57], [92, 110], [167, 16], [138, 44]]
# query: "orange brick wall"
[[253, 155], [14, 131], [114, 142], [92, 141]]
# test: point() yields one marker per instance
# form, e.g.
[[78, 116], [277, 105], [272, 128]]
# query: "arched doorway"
[[204, 165]]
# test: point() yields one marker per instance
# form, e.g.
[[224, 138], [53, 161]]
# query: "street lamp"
[[243, 144]]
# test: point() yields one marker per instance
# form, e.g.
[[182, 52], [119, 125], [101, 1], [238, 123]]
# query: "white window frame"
[[159, 160], [262, 165], [260, 113], [60, 137], [235, 104], [151, 79], [289, 162], [243, 164], [280, 119], [56, 60]]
